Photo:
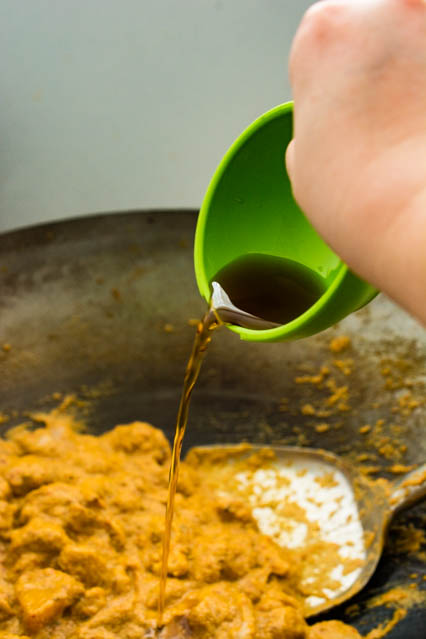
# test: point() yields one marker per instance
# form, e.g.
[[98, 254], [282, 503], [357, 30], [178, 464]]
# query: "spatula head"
[[311, 502]]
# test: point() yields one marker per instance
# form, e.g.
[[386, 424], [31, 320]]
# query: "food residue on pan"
[[340, 343], [398, 600], [331, 398]]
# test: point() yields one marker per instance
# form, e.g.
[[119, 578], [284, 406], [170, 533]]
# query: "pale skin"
[[358, 159]]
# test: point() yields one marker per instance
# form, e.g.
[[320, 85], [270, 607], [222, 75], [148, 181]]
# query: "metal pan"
[[99, 307]]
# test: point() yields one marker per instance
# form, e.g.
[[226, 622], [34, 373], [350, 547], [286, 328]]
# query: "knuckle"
[[320, 26], [323, 19]]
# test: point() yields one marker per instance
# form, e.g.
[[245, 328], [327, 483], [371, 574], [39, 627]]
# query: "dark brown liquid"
[[274, 289], [269, 288], [201, 342]]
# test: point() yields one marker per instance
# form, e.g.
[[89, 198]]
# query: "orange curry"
[[81, 525]]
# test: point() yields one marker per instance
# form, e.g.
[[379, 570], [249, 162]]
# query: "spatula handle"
[[408, 490]]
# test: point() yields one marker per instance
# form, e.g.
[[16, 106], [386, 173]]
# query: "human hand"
[[358, 159]]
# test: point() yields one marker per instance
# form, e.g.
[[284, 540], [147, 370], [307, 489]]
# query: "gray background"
[[122, 104]]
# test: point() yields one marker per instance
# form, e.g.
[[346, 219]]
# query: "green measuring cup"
[[249, 208]]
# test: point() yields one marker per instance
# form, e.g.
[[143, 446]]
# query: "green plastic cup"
[[249, 208]]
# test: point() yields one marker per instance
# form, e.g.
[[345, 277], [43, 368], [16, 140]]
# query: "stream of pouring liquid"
[[243, 275], [202, 339], [221, 311]]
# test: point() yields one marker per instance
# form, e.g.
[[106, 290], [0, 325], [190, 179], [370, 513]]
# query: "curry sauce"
[[81, 525]]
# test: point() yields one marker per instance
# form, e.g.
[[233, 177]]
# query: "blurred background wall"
[[124, 104]]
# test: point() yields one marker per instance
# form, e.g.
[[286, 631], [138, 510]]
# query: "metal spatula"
[[350, 509]]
